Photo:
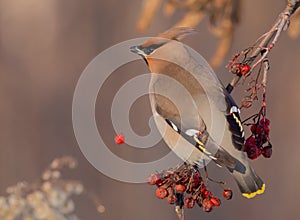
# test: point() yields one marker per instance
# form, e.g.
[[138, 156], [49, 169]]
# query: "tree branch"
[[264, 46]]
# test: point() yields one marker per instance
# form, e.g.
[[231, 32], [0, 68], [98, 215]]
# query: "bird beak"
[[135, 49]]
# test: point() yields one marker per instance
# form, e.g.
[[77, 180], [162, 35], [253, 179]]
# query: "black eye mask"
[[150, 49]]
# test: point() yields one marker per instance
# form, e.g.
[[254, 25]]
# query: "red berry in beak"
[[189, 202], [180, 188], [207, 205], [161, 192], [119, 139], [227, 194]]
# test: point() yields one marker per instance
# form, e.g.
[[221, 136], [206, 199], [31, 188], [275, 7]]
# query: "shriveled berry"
[[172, 199], [227, 194], [119, 139], [154, 179], [215, 201], [236, 68], [207, 205], [161, 192], [245, 69], [267, 151], [180, 188], [189, 202]]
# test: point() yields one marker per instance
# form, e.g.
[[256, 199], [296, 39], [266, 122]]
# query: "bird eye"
[[149, 50]]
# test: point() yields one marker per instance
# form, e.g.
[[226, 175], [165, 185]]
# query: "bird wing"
[[234, 123], [187, 124], [220, 98]]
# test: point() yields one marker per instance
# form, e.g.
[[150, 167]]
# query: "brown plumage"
[[197, 118]]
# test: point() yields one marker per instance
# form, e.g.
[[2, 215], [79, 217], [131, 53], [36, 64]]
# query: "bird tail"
[[249, 183]]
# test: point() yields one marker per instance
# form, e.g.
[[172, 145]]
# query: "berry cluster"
[[185, 187], [237, 67], [258, 143]]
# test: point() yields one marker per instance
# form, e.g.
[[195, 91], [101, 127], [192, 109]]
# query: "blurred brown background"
[[44, 47]]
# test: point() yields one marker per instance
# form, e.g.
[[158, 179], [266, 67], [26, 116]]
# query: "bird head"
[[164, 45]]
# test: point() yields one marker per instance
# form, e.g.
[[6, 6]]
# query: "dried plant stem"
[[180, 212], [265, 46]]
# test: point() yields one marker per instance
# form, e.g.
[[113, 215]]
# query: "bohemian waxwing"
[[196, 116]]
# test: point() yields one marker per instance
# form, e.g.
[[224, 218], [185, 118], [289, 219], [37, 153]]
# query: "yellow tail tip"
[[251, 195]]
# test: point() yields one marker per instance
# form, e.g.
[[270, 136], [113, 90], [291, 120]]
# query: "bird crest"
[[175, 33]]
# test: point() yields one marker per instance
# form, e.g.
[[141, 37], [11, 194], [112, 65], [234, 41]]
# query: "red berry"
[[119, 139], [197, 180], [253, 152], [267, 151], [172, 199], [262, 139], [207, 194], [250, 143], [207, 205], [253, 129], [180, 188], [266, 129], [259, 129], [227, 194], [203, 188], [189, 202], [245, 69], [264, 121], [161, 192], [153, 179], [215, 201]]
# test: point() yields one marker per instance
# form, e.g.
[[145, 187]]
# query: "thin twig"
[[264, 47]]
